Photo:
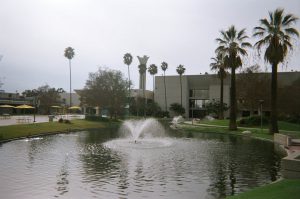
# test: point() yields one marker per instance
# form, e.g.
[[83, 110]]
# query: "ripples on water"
[[97, 164]]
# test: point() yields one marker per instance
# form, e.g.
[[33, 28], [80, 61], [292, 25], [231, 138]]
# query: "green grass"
[[289, 189], [224, 130], [24, 130], [284, 128]]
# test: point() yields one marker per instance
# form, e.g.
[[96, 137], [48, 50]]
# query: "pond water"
[[100, 164]]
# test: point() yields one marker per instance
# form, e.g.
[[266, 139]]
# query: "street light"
[[261, 114]]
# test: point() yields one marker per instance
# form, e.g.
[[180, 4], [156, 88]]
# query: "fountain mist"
[[143, 128]]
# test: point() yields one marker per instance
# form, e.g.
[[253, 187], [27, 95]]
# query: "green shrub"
[[177, 108], [96, 118], [253, 121], [290, 118], [60, 120], [67, 121]]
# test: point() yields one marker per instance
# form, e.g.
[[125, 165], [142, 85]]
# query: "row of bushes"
[[253, 121], [291, 118], [96, 118]]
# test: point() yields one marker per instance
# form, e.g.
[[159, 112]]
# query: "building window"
[[199, 93], [198, 103]]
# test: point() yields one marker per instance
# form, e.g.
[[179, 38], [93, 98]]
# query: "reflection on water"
[[96, 164]]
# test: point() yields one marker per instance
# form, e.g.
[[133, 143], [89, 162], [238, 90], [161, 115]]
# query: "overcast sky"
[[34, 34]]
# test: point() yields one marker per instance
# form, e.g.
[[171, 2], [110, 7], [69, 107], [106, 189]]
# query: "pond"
[[100, 164]]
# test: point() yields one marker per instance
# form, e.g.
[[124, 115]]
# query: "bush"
[[253, 121], [177, 108], [290, 118], [96, 118], [60, 120], [67, 121]]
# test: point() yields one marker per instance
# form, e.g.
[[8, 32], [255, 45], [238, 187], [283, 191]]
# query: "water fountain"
[[143, 133]]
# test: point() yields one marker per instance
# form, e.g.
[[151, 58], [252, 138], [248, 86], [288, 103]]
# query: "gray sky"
[[34, 34]]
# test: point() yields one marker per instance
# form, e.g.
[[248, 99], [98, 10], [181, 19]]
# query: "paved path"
[[27, 119]]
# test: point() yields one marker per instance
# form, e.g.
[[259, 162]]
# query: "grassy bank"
[[24, 130], [224, 130], [283, 189], [222, 125]]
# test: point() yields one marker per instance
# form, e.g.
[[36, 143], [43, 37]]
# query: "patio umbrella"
[[56, 107], [6, 106], [24, 106], [75, 108]]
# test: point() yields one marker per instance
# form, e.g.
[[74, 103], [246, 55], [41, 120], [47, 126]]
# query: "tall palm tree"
[[180, 70], [69, 54], [219, 66], [153, 71], [275, 38], [142, 70], [127, 58], [232, 46], [164, 67]]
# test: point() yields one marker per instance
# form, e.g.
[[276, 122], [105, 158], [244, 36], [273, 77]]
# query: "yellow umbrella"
[[56, 107], [24, 106], [6, 106], [74, 108]]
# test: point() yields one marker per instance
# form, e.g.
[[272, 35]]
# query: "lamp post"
[[261, 114]]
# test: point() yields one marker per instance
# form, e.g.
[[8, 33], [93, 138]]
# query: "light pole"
[[261, 114]]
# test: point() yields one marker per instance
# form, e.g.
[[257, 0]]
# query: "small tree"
[[107, 89], [47, 97], [213, 107], [177, 108], [219, 66]]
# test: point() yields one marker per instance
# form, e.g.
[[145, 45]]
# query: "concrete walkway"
[[27, 119]]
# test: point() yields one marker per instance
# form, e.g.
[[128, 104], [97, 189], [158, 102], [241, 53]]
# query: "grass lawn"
[[289, 189], [24, 130], [284, 128], [224, 130]]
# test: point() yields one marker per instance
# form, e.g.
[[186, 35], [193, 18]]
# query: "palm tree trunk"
[[232, 122], [273, 120], [221, 114], [153, 87], [180, 91], [70, 83], [145, 99], [165, 92], [128, 91]]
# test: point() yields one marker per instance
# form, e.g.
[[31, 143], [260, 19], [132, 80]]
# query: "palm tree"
[[69, 54], [180, 70], [128, 60], [275, 38], [164, 67], [153, 71], [219, 66], [142, 70], [232, 46]]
